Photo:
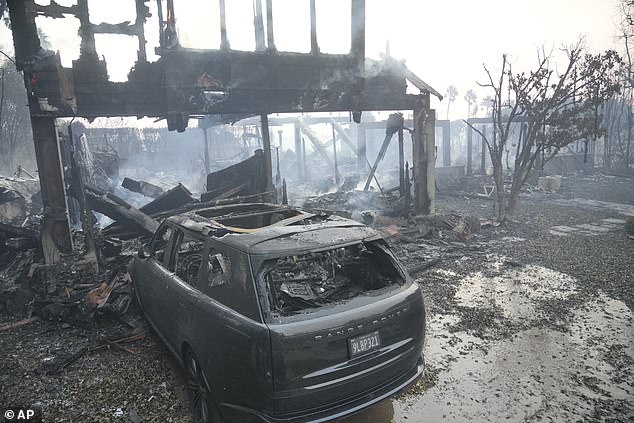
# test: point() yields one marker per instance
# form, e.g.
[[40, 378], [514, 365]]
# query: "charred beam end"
[[142, 187], [103, 203]]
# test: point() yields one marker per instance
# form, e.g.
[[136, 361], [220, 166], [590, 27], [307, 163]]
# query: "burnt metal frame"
[[186, 82]]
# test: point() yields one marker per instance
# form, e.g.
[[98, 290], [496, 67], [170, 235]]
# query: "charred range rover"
[[279, 315]]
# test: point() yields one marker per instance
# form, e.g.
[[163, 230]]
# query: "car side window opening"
[[300, 282], [187, 259], [218, 268], [160, 243]]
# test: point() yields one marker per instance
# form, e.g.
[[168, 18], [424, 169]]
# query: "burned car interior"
[[302, 282]]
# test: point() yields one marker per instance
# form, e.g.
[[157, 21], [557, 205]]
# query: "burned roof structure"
[[188, 83]]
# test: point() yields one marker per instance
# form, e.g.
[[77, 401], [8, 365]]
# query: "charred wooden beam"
[[357, 48], [224, 41], [424, 144], [314, 46], [446, 142], [142, 187], [258, 24], [249, 175], [469, 150], [85, 213], [266, 143], [25, 39], [307, 130], [347, 140], [401, 162], [172, 199], [122, 212], [362, 158], [56, 236], [11, 231], [269, 27]]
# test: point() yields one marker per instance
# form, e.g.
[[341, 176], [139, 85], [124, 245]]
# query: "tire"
[[202, 403]]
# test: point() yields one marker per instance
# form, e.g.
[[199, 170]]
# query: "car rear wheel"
[[204, 408]]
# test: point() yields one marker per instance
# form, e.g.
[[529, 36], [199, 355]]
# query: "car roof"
[[299, 231]]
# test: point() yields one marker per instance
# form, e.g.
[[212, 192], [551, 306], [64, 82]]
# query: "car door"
[[180, 293], [150, 276], [231, 340]]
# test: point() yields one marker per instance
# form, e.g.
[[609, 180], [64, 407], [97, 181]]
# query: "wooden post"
[[424, 160], [314, 46], [362, 160], [224, 41], [483, 159], [206, 152], [258, 23], [469, 150], [269, 26], [357, 30], [401, 163], [334, 154], [298, 150], [266, 145], [304, 169], [446, 143], [55, 228]]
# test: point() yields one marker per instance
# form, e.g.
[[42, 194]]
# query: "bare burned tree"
[[553, 108], [617, 147]]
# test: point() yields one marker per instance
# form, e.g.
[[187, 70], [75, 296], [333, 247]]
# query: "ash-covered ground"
[[529, 321]]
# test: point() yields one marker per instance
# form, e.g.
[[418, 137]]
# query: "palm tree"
[[452, 93], [487, 104], [471, 98]]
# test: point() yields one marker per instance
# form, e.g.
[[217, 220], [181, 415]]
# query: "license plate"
[[363, 344]]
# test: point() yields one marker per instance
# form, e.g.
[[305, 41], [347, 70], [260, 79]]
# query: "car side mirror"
[[143, 253]]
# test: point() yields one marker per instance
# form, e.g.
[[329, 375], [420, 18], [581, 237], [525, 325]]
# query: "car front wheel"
[[203, 405]]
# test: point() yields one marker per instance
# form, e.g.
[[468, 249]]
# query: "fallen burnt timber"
[[142, 187]]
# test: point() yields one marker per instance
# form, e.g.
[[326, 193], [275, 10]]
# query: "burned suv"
[[281, 315]]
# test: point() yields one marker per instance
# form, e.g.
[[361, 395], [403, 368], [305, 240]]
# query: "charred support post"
[[298, 150], [80, 194], [266, 144], [314, 47], [87, 47], [424, 160], [469, 150], [159, 7], [55, 230], [401, 163], [362, 159], [224, 41], [334, 155], [269, 26], [141, 11], [446, 143], [304, 169], [258, 23], [319, 147], [25, 39], [483, 157], [357, 36], [206, 152], [344, 136]]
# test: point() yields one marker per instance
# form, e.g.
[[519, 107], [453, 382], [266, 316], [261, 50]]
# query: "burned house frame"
[[185, 83]]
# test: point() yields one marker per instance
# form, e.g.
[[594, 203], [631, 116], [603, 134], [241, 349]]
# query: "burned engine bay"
[[298, 283]]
